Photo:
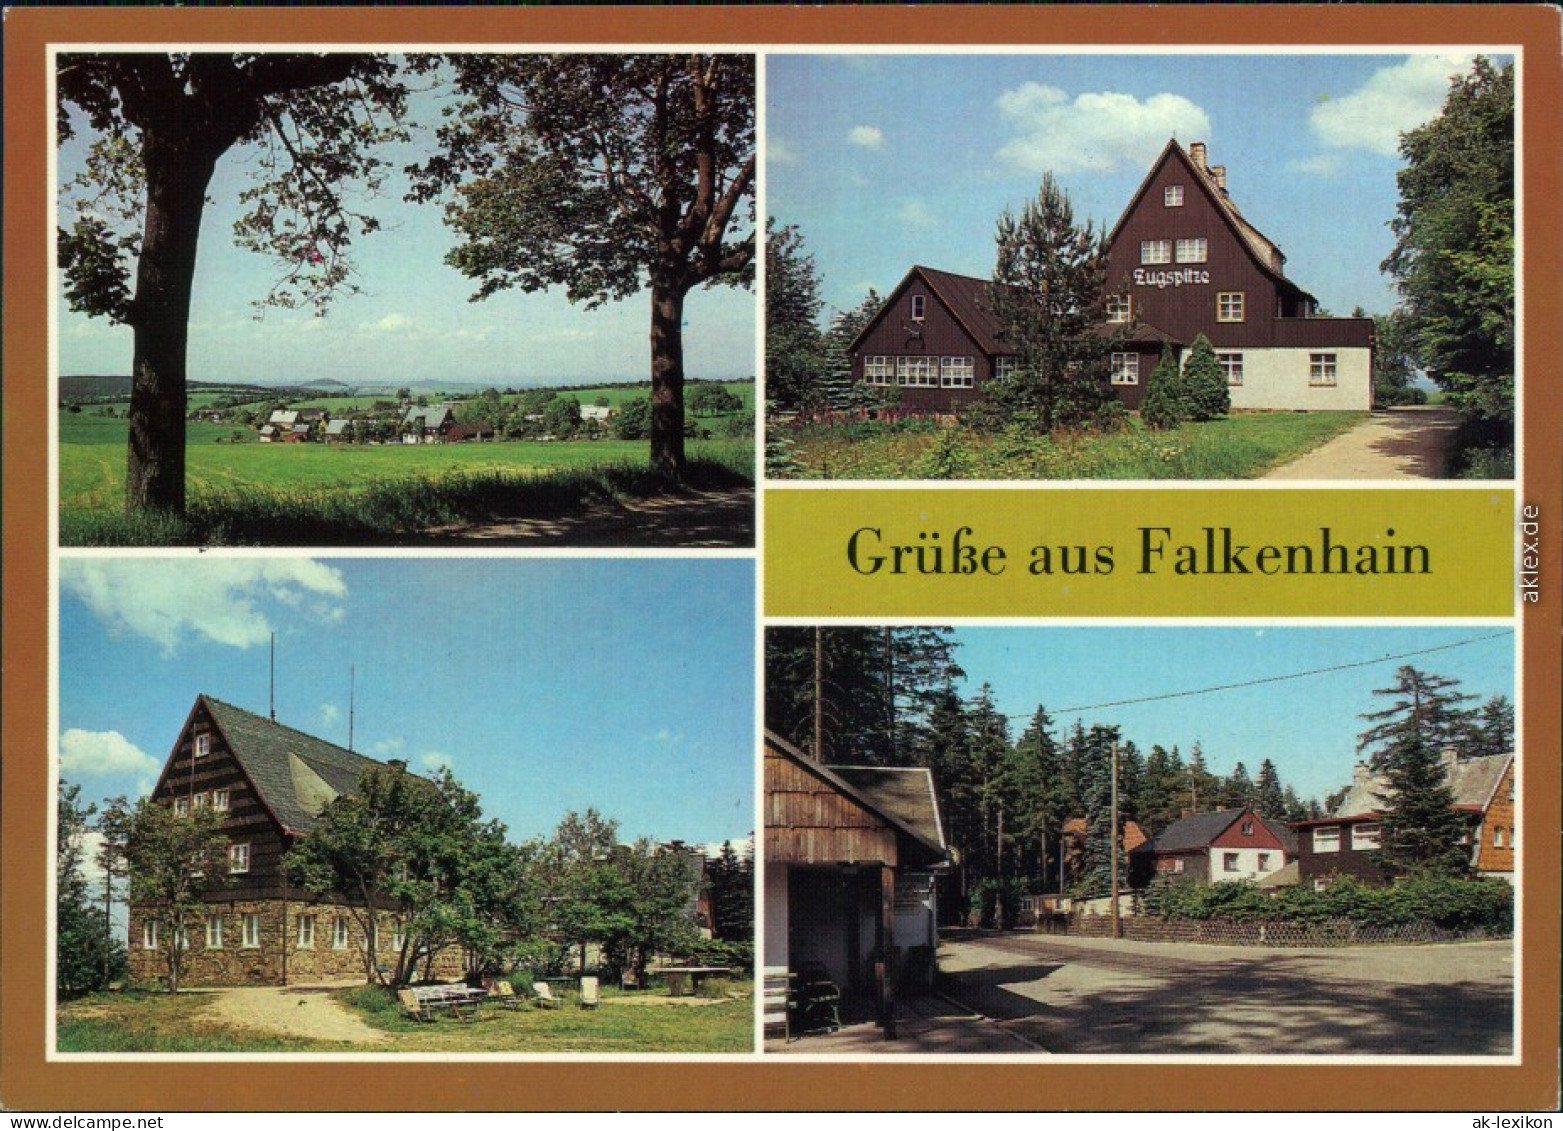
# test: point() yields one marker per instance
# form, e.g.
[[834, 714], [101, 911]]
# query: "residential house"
[[471, 430], [851, 854], [428, 425], [599, 414], [272, 782], [1182, 260], [339, 431], [1210, 848], [1347, 842]]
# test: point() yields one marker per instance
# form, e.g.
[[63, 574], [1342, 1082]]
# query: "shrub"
[[633, 419], [947, 459], [1449, 902], [1166, 400], [1111, 417], [1389, 396], [1205, 385], [983, 415]]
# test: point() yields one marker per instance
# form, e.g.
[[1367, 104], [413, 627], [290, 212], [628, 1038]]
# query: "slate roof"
[[1199, 830], [1472, 780], [295, 773]]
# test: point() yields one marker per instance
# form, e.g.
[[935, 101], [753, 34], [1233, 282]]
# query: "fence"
[[1233, 932]]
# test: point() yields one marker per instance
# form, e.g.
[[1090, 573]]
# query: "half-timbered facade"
[[1182, 261], [271, 782], [851, 854]]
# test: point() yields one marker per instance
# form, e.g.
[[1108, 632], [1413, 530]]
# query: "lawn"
[[360, 492], [1242, 446], [641, 1022]]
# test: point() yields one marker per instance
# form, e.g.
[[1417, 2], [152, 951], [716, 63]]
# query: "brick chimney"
[[1197, 154], [397, 764], [1218, 173]]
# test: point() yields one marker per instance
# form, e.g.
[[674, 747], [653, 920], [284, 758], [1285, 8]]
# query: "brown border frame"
[[27, 1081]]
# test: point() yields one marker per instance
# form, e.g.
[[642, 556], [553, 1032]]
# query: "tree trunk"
[[667, 377], [177, 177]]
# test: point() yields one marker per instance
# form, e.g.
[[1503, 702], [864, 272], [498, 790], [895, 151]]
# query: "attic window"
[[1172, 196], [1248, 828], [203, 745], [918, 302]]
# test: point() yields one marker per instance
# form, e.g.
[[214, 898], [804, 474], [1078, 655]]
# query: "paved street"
[[1076, 995]]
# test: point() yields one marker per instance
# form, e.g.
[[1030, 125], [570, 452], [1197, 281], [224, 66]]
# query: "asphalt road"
[[1076, 995]]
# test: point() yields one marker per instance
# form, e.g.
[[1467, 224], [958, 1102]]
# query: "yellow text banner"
[[1060, 552]]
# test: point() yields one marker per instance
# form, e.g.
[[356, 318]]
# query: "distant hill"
[[325, 383]]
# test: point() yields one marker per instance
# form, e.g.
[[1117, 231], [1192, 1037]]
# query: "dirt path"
[[1399, 443], [699, 518], [297, 1011]]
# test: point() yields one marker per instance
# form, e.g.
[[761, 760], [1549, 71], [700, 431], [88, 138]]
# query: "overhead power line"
[[1266, 679]]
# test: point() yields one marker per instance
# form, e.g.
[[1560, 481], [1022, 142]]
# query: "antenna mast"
[[352, 673], [273, 677]]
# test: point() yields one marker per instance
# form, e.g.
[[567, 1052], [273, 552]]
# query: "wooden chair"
[[589, 993], [544, 995], [414, 1006]]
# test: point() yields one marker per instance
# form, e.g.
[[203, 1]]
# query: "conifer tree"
[[1269, 798], [1205, 384], [1166, 397]]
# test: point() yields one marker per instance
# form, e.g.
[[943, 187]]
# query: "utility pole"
[[1113, 833], [819, 694]]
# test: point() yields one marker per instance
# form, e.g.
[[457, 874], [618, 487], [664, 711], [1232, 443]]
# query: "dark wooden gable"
[[811, 820]]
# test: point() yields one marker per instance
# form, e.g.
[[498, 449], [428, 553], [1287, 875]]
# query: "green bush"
[[947, 459], [1166, 397], [1450, 902], [1205, 384]]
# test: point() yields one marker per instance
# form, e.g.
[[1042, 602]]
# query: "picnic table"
[[676, 976], [462, 1001]]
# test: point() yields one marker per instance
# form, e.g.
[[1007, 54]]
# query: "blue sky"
[[1308, 727], [545, 685], [414, 321], [884, 161]]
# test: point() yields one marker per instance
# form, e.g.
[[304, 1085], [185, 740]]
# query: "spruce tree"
[[1269, 798], [1204, 383], [1049, 295], [1166, 401]]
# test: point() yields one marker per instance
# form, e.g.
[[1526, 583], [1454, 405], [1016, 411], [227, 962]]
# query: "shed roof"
[[902, 792]]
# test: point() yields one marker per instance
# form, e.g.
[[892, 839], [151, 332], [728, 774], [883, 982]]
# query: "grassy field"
[[251, 493], [649, 1022], [1243, 446]]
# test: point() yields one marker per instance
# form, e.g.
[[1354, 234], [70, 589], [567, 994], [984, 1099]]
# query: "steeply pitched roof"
[[1200, 830], [965, 297], [1472, 780], [295, 773]]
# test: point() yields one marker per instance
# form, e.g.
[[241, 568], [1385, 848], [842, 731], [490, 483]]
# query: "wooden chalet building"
[[851, 854], [272, 782], [1211, 848], [1347, 842], [1182, 260]]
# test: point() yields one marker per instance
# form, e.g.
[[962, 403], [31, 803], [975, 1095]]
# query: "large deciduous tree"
[[604, 174], [1453, 260], [162, 123], [795, 359], [1049, 294]]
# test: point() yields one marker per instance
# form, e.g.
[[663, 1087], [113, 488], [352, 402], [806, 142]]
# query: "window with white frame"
[[1326, 838], [1231, 862], [957, 373], [181, 806], [238, 858], [1321, 369], [1005, 367], [917, 372], [1177, 865], [1126, 368], [1119, 308], [203, 745], [1369, 834], [220, 800], [1229, 306], [399, 934], [214, 932], [251, 930], [1264, 862], [919, 303], [201, 800], [878, 369], [1248, 828], [1194, 250], [1155, 251], [306, 932], [1231, 367], [339, 933], [182, 937], [1172, 196], [149, 934], [1497, 836]]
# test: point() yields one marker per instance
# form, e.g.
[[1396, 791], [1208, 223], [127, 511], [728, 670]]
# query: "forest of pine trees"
[[890, 696]]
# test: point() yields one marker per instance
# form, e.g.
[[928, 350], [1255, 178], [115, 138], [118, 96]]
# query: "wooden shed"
[[850, 858]]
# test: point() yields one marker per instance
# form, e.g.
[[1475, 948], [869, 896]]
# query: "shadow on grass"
[[441, 510]]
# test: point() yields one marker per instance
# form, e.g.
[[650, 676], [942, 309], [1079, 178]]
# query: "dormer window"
[[203, 745], [1172, 196], [918, 303]]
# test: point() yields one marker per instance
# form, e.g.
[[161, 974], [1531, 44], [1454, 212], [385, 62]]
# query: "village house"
[[851, 854], [1211, 848], [1347, 842], [272, 782], [1182, 261]]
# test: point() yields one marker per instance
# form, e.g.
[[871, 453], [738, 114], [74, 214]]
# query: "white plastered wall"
[[1278, 379], [775, 941]]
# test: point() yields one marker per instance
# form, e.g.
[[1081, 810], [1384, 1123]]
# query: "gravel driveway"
[[1411, 442], [295, 1011], [1077, 995]]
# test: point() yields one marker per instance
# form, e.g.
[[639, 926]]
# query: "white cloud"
[[1394, 100], [1097, 132], [916, 213], [778, 151], [93, 753], [329, 713], [387, 746], [218, 600], [392, 322], [869, 137], [434, 760]]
